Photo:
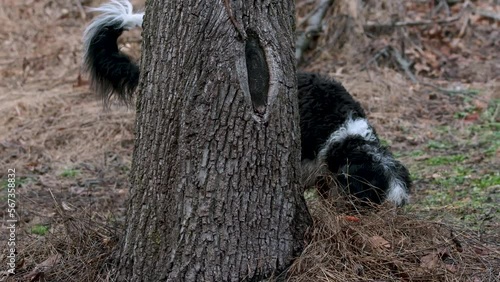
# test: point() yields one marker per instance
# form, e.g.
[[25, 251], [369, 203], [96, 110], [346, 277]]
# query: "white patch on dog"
[[117, 12], [397, 192], [350, 127]]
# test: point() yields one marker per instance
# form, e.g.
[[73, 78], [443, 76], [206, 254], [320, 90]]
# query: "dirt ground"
[[66, 149]]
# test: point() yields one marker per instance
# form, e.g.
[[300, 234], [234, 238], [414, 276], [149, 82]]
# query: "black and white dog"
[[336, 135]]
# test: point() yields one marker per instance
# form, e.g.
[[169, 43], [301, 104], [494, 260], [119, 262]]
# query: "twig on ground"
[[464, 26], [451, 91], [487, 14], [405, 65], [381, 52], [443, 4], [371, 25], [313, 26]]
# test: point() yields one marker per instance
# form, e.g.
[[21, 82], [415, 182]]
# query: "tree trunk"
[[348, 24], [215, 176]]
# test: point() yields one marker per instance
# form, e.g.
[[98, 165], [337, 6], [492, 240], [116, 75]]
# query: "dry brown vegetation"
[[388, 246], [72, 157]]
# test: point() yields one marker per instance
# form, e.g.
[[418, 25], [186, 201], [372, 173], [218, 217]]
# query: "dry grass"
[[79, 247], [376, 244], [387, 245]]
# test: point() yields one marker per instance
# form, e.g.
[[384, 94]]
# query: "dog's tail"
[[111, 71]]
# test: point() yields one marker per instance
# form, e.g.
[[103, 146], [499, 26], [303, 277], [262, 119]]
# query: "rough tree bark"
[[215, 174]]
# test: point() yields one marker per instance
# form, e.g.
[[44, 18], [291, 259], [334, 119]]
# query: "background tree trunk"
[[349, 20], [215, 174]]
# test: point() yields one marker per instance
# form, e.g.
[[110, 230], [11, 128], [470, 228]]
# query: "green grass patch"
[[38, 229], [487, 180], [416, 153], [463, 114], [23, 181], [70, 173], [458, 175], [450, 182], [464, 194], [445, 160], [20, 182], [439, 145], [385, 142], [4, 184]]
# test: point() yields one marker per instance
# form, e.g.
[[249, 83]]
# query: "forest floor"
[[71, 157]]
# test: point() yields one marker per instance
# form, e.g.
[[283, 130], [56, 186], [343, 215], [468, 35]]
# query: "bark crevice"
[[257, 72]]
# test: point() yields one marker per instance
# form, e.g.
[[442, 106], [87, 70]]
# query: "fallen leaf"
[[481, 251], [429, 261], [436, 176], [67, 207], [352, 218], [480, 105], [477, 279], [472, 117], [451, 267], [379, 242], [35, 163]]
